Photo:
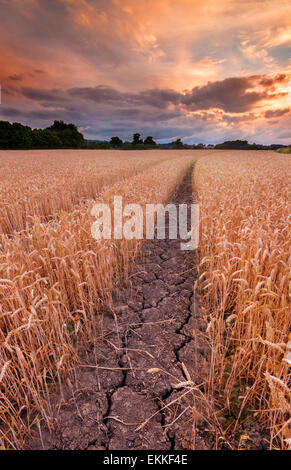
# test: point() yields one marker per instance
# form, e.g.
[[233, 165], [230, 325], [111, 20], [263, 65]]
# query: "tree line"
[[137, 143], [60, 135]]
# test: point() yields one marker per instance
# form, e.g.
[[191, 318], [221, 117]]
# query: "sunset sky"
[[205, 71]]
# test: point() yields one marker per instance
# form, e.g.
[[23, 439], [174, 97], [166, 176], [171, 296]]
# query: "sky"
[[204, 71]]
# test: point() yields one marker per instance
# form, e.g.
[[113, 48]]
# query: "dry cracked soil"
[[115, 403]]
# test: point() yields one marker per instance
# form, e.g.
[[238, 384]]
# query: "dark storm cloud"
[[99, 94], [38, 117], [271, 81], [159, 98], [276, 113], [45, 96], [231, 95], [146, 114], [30, 115], [104, 94]]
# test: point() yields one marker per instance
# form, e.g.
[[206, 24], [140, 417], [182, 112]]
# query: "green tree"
[[137, 139], [150, 141], [116, 142], [21, 137], [68, 134], [45, 139], [5, 134], [178, 144]]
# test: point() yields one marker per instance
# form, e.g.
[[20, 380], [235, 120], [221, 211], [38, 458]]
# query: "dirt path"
[[113, 392]]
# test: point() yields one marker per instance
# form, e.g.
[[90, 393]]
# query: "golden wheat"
[[245, 281], [54, 278], [42, 183]]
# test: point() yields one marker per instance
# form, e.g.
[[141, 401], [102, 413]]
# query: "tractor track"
[[158, 325]]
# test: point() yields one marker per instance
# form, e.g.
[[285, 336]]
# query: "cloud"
[[230, 95], [276, 113], [99, 94], [158, 98], [236, 95], [15, 78], [43, 95], [271, 82], [204, 70]]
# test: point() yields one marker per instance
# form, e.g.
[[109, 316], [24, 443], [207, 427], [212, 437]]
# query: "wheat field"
[[42, 183], [55, 277], [245, 279]]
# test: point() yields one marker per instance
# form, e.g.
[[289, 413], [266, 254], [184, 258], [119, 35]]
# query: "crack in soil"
[[153, 329]]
